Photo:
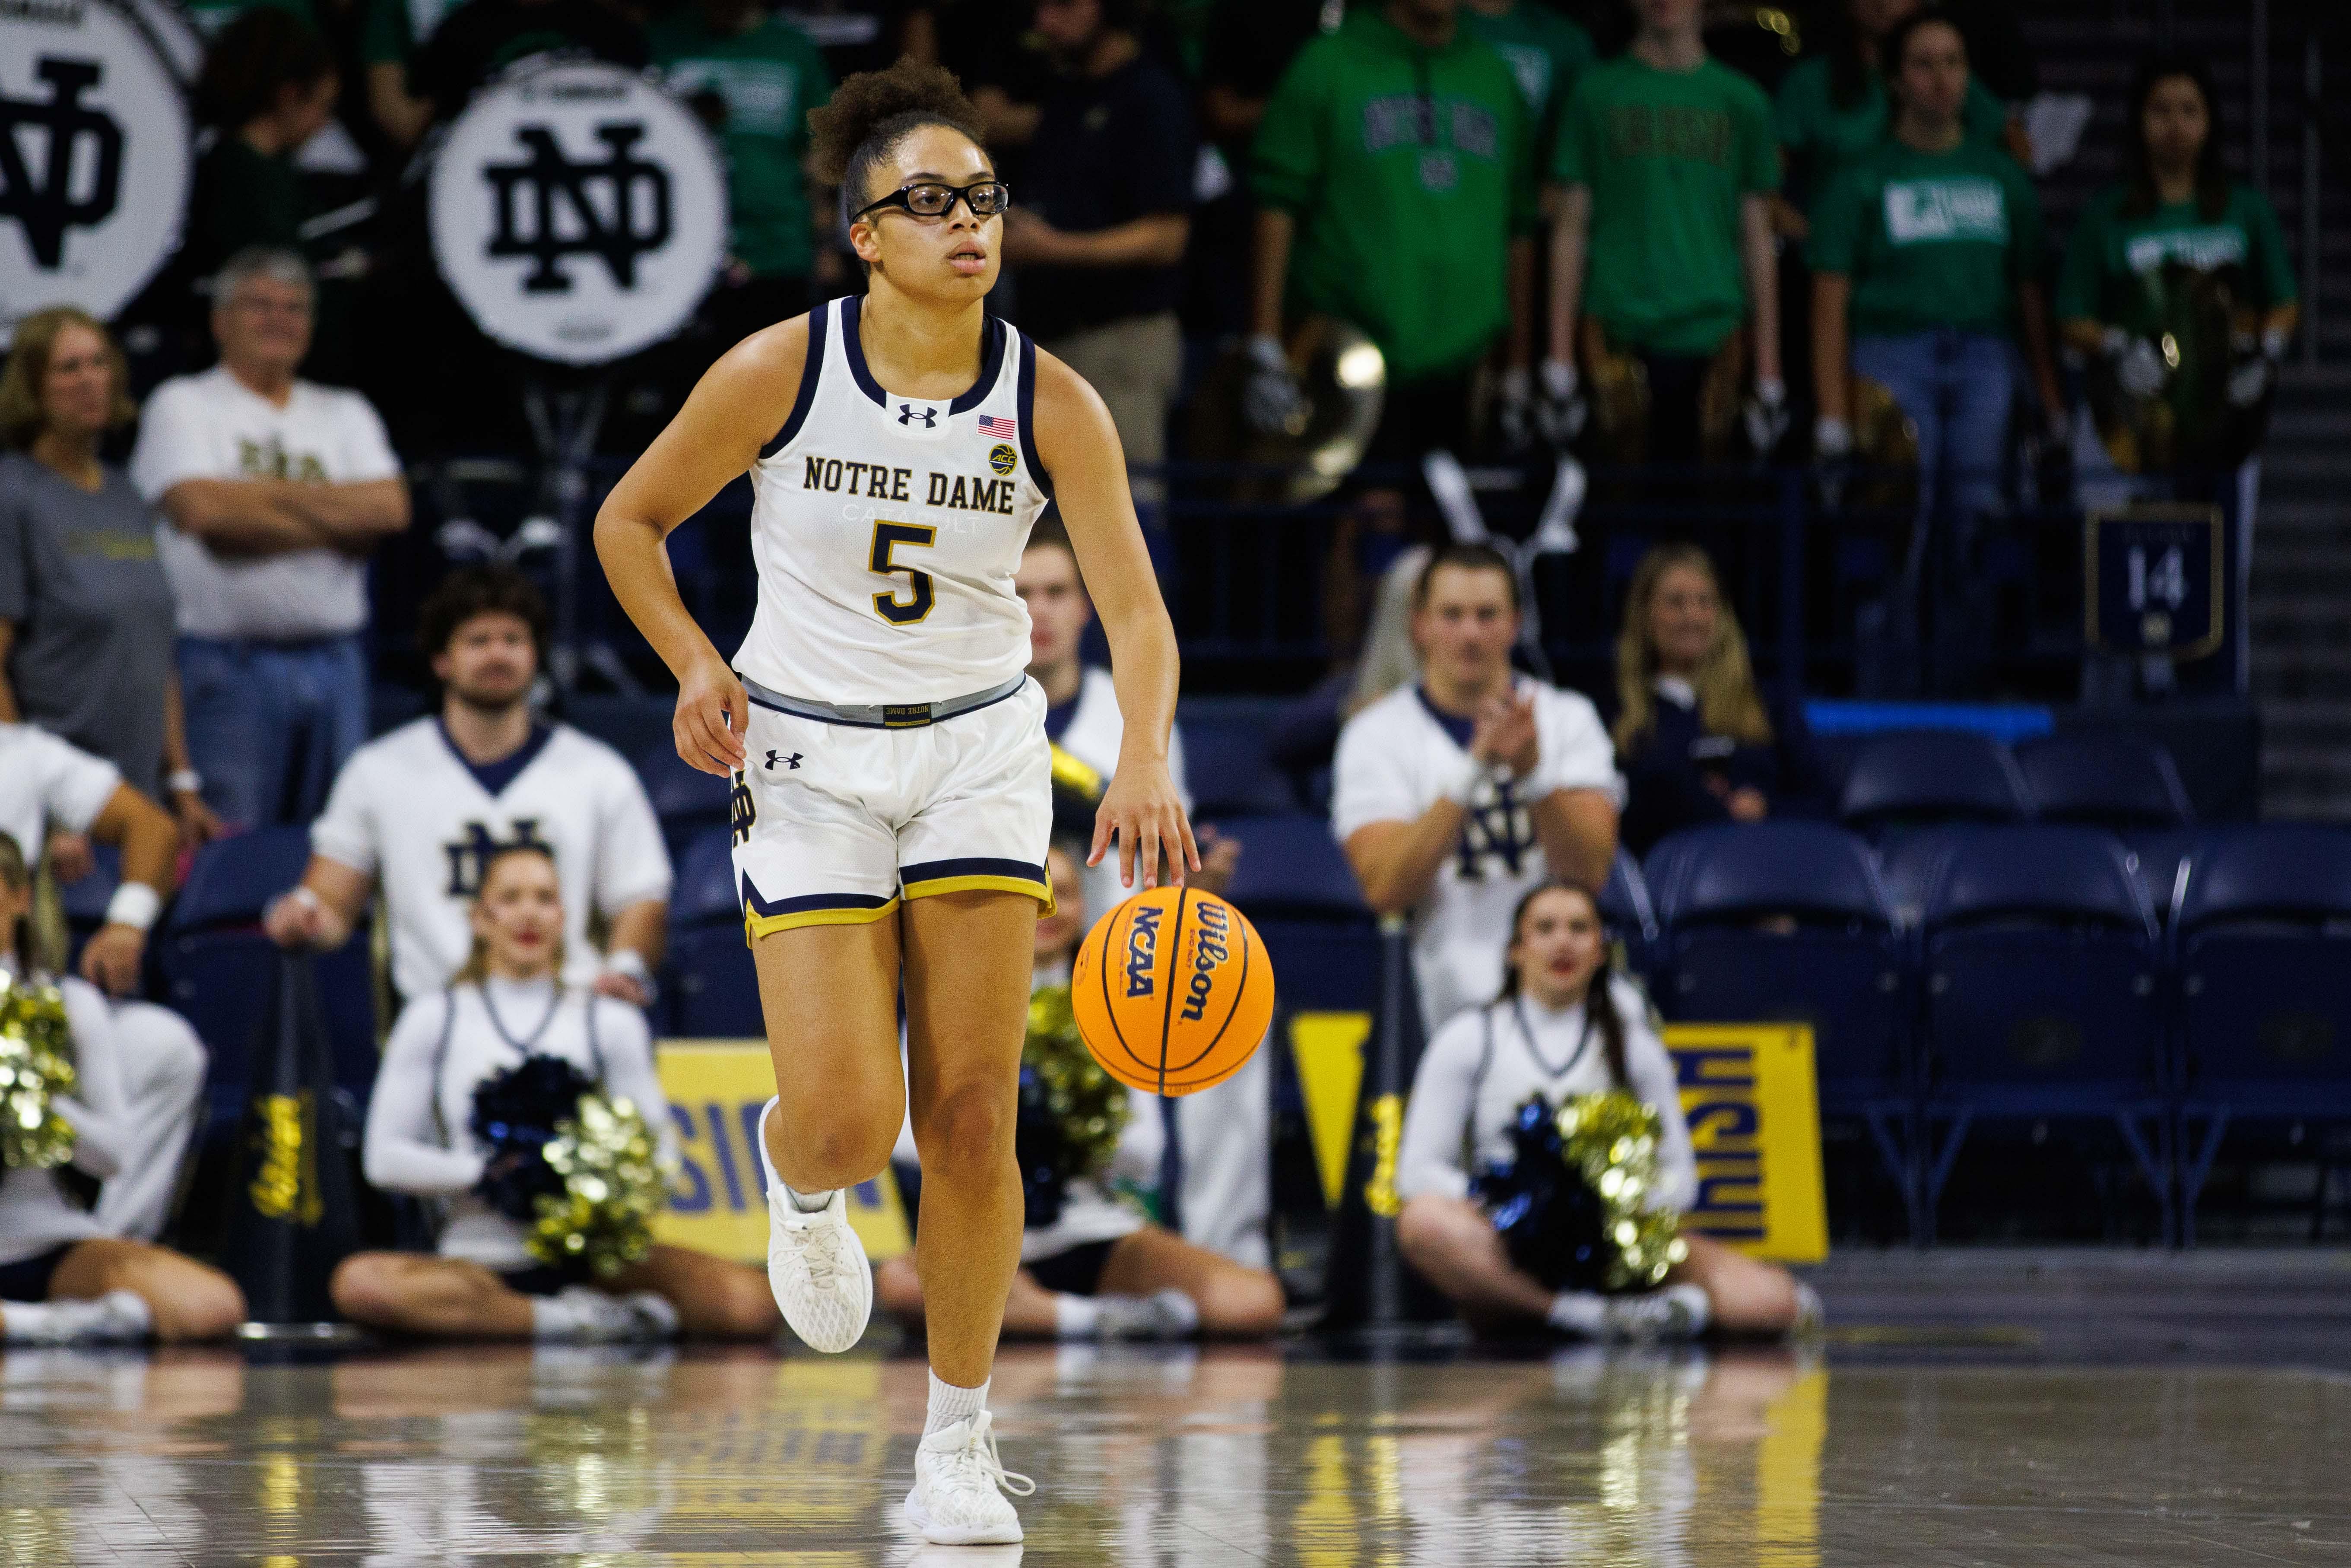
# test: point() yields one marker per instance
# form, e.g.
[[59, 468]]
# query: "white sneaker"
[[816, 1265], [656, 1319], [959, 1486], [1168, 1314], [1675, 1312], [118, 1317]]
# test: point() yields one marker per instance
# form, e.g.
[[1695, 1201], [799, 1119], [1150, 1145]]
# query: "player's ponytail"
[[1599, 997], [873, 111]]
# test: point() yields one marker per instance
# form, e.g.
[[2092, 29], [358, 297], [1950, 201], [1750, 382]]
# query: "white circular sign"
[[95, 159], [579, 212]]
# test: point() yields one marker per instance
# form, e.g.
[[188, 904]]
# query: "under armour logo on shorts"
[[908, 414], [791, 763]]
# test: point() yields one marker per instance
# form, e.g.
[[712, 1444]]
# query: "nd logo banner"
[[719, 1200]]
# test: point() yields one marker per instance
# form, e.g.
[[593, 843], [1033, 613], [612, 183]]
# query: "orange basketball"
[[1172, 990]]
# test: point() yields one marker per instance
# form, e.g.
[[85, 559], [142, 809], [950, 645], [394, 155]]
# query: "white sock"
[[1076, 1317], [569, 1315], [1579, 1312], [64, 1323], [808, 1202], [950, 1404]]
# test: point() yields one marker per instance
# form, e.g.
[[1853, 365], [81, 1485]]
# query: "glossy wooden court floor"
[[1921, 1433]]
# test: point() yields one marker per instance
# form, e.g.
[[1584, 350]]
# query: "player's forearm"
[[1762, 265], [1831, 388], [638, 567], [1519, 351], [639, 929], [1396, 863], [1270, 273], [1577, 829], [1144, 670], [1567, 242]]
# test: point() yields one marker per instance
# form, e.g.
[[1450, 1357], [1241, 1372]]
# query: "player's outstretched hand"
[[1142, 810], [711, 713]]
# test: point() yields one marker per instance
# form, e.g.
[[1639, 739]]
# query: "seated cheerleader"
[[507, 1003], [1563, 1025], [1101, 1270], [64, 1279]]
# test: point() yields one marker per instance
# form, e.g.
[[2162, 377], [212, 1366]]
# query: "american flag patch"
[[991, 426]]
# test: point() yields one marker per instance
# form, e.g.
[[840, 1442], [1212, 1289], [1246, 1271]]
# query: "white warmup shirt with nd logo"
[[886, 529]]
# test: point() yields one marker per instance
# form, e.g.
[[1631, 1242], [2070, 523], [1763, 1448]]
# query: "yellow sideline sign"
[[1754, 1122], [718, 1203], [1747, 1092]]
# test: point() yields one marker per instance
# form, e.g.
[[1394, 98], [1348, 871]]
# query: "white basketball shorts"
[[835, 822]]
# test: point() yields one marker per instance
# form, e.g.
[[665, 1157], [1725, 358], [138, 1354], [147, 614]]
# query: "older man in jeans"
[[273, 491]]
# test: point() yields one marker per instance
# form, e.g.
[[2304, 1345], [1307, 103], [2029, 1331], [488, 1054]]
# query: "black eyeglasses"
[[986, 198]]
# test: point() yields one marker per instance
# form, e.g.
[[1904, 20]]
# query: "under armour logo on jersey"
[[1498, 828], [791, 763], [908, 414], [468, 857]]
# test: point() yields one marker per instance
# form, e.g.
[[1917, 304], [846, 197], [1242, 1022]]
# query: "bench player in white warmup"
[[892, 794]]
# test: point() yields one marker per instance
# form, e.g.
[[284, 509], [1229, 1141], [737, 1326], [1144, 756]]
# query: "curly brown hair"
[[873, 111]]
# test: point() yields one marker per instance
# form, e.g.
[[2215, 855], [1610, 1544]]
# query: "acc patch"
[[1002, 458]]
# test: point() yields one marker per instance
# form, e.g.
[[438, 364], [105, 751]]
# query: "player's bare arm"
[[715, 436], [1079, 446]]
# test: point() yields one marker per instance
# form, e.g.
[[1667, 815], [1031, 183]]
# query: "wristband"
[[185, 781], [134, 905]]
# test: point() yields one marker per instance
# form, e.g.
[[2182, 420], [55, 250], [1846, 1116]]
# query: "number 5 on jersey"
[[889, 606]]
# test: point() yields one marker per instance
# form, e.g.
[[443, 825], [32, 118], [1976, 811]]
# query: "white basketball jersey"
[[886, 528]]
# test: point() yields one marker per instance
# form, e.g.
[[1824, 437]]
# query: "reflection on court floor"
[[612, 1459]]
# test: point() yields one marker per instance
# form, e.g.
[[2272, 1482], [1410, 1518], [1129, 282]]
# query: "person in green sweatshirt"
[[2175, 222], [1662, 246], [1546, 51], [1831, 110], [753, 77], [1394, 180], [1925, 255]]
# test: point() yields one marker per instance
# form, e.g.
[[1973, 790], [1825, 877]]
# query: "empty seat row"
[[1928, 777]]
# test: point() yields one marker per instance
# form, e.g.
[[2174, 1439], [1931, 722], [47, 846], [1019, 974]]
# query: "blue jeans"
[[1959, 391], [269, 723]]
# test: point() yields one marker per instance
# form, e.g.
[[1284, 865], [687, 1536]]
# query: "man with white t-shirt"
[[1453, 795], [48, 786], [274, 492], [1220, 1160], [422, 809]]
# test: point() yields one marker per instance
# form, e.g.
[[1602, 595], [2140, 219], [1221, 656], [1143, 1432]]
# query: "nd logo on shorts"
[[1002, 458]]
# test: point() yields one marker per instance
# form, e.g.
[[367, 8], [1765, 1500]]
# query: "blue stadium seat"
[[1908, 862], [2113, 782], [2042, 959], [688, 801], [217, 965], [1296, 887], [713, 987], [2262, 944], [1788, 921], [1924, 777], [1227, 771]]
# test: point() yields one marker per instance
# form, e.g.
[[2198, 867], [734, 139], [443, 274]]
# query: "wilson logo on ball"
[[1172, 991]]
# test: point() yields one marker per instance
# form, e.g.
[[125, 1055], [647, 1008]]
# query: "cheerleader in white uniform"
[[64, 1278], [1553, 1031], [508, 1002]]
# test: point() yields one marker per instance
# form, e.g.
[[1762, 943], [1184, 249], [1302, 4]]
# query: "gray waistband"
[[879, 716]]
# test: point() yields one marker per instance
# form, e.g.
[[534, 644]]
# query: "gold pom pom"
[[614, 1183], [36, 1065], [1089, 1104], [1613, 1139]]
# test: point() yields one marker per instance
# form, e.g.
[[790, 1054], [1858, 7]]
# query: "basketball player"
[[423, 807], [892, 794], [1453, 795]]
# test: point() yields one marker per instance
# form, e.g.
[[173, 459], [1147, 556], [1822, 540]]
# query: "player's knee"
[[898, 1288], [840, 1152], [363, 1289], [1242, 1303], [966, 1129]]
